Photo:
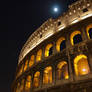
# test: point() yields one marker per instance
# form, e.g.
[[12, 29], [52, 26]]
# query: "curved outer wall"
[[77, 18]]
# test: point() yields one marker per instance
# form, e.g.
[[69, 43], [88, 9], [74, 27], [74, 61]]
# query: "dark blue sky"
[[18, 20]]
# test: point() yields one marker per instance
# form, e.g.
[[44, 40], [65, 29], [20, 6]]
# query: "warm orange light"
[[87, 30], [47, 77], [36, 81], [81, 65], [72, 36], [26, 65], [63, 70], [18, 87], [31, 62], [22, 85], [28, 83], [21, 70], [47, 49], [39, 55], [58, 43]]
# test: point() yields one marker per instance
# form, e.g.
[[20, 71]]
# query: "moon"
[[55, 9]]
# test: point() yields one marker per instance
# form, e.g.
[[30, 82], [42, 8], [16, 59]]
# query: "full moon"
[[55, 9]]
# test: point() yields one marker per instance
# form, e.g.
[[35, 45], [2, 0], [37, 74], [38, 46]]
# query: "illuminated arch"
[[89, 31], [22, 85], [60, 44], [48, 50], [62, 70], [21, 70], [28, 83], [36, 81], [26, 65], [81, 65], [47, 75], [31, 62], [39, 55], [18, 87], [75, 37]]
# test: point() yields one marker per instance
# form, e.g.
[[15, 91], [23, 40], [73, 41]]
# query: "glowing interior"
[[81, 65], [36, 81], [47, 50], [28, 83], [22, 85], [47, 77], [31, 62], [39, 55], [63, 70], [26, 65]]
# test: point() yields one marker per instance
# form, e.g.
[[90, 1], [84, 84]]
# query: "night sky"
[[18, 20]]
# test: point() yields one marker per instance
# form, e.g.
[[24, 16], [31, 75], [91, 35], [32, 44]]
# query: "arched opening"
[[81, 65], [31, 62], [89, 31], [28, 83], [47, 75], [62, 70], [20, 70], [76, 37], [18, 87], [39, 55], [22, 85], [48, 50], [36, 81], [26, 65], [60, 44]]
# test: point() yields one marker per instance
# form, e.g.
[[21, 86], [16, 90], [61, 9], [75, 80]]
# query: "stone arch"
[[18, 87], [89, 31], [20, 70], [26, 65], [60, 44], [81, 65], [31, 61], [22, 85], [75, 37], [47, 75], [28, 83], [36, 80], [62, 70], [49, 50], [39, 55]]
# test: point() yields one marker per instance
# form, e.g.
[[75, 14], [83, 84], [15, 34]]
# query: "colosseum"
[[57, 57]]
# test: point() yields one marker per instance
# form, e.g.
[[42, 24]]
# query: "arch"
[[22, 85], [36, 81], [26, 65], [62, 70], [21, 70], [39, 55], [48, 50], [81, 65], [75, 37], [60, 44], [28, 83], [47, 75], [18, 87], [31, 62], [89, 31]]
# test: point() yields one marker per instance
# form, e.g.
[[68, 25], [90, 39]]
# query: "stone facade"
[[78, 17]]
